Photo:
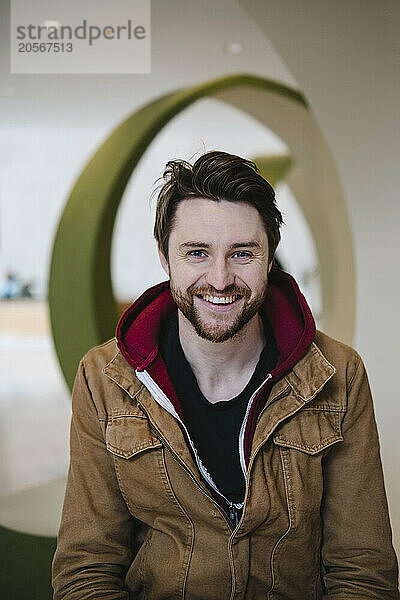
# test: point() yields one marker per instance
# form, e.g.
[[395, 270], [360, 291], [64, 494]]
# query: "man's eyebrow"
[[249, 244], [195, 245]]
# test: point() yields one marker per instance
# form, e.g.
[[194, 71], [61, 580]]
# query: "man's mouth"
[[219, 299]]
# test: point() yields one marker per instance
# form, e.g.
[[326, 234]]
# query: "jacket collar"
[[310, 374], [298, 387], [122, 373]]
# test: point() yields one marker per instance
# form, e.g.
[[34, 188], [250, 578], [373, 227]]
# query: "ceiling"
[[189, 43]]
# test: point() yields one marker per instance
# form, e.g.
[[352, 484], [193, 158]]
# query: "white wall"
[[345, 57]]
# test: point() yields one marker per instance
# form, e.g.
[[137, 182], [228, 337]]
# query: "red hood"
[[286, 308]]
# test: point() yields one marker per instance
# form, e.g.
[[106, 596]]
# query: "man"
[[221, 448]]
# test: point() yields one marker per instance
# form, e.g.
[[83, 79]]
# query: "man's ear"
[[163, 261]]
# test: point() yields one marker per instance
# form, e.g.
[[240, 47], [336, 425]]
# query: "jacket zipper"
[[279, 397], [244, 423]]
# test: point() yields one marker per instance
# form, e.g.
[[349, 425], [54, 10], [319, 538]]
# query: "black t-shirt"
[[214, 428]]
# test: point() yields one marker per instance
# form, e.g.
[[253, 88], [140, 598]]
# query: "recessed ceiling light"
[[49, 23], [233, 47]]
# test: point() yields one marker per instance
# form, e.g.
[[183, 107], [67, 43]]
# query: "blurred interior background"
[[339, 199]]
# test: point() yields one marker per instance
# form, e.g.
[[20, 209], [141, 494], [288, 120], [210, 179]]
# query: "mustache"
[[230, 290]]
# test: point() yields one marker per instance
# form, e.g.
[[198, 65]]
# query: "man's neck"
[[222, 369]]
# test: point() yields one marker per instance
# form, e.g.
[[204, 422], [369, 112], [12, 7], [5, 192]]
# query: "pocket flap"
[[128, 435], [310, 431]]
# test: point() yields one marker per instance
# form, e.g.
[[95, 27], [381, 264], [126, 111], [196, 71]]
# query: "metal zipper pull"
[[233, 514]]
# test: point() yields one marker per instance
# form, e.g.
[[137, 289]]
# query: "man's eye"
[[242, 254], [197, 253]]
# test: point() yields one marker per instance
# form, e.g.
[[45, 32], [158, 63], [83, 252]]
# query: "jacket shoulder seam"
[[98, 347], [352, 378], [89, 391]]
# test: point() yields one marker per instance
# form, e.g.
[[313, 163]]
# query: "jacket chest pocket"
[[310, 430], [139, 464], [302, 442]]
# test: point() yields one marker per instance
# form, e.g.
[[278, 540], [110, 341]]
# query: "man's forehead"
[[205, 215]]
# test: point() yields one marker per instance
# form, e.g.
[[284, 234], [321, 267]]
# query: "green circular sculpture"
[[83, 311]]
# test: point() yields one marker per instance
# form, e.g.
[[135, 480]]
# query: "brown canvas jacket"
[[140, 523]]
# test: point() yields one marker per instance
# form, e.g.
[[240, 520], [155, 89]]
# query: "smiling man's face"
[[218, 265]]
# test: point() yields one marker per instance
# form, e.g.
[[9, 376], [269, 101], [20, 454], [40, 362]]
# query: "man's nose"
[[219, 275]]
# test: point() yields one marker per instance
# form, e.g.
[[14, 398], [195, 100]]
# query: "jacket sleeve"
[[357, 552], [93, 550]]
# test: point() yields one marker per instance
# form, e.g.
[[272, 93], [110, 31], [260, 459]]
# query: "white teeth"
[[216, 300]]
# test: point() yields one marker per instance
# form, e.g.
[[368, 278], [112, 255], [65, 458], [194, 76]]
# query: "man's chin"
[[215, 336], [219, 332]]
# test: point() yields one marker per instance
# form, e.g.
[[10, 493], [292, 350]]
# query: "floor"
[[34, 421]]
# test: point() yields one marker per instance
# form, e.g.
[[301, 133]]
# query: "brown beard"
[[185, 303]]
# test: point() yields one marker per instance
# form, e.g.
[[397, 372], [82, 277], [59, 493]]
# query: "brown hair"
[[216, 176]]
